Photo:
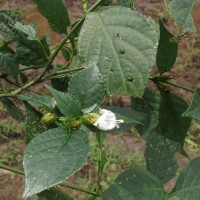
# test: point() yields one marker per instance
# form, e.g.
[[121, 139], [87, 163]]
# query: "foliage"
[[117, 49]]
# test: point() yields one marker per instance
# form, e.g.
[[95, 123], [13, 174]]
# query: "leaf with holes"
[[122, 43], [159, 156], [135, 184], [194, 109], [88, 87], [188, 183], [49, 159], [180, 10]]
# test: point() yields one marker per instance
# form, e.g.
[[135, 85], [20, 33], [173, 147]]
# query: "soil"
[[186, 72]]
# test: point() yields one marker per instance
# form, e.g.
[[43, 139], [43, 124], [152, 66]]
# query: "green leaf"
[[87, 86], [66, 103], [66, 54], [122, 43], [167, 50], [194, 109], [60, 84], [33, 124], [49, 159], [172, 124], [159, 156], [14, 111], [148, 106], [188, 183], [9, 65], [131, 118], [53, 194], [39, 101], [135, 184], [28, 30], [180, 10], [56, 14]]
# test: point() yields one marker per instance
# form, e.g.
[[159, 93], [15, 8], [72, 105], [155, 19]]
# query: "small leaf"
[[167, 50], [180, 10], [67, 103], [12, 109], [87, 86], [159, 156], [194, 109], [28, 30], [172, 124], [49, 159], [60, 84], [135, 184], [66, 54], [56, 14], [122, 43], [9, 65], [39, 101], [33, 124], [188, 183], [125, 3], [148, 106]]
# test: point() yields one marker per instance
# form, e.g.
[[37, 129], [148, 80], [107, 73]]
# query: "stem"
[[181, 87], [52, 56], [11, 169]]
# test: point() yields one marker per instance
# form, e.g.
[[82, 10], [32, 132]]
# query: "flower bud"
[[75, 124], [90, 119], [48, 118]]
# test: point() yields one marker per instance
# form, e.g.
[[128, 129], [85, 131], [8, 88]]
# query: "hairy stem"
[[11, 169]]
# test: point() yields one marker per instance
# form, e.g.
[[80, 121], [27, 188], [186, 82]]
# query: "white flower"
[[107, 120]]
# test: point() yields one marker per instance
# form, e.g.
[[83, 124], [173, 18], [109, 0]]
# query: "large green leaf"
[[167, 50], [172, 124], [67, 103], [33, 123], [159, 156], [39, 101], [188, 184], [122, 43], [53, 194], [14, 111], [88, 87], [49, 159], [194, 110], [148, 105], [180, 10], [56, 14], [9, 65], [135, 184]]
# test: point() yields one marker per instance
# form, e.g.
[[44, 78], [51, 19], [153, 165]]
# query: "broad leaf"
[[39, 101], [167, 50], [188, 184], [66, 103], [49, 159], [159, 156], [194, 110], [33, 123], [180, 10], [56, 14], [135, 184], [88, 87], [172, 124], [122, 43], [53, 194], [14, 111], [9, 65], [148, 106]]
